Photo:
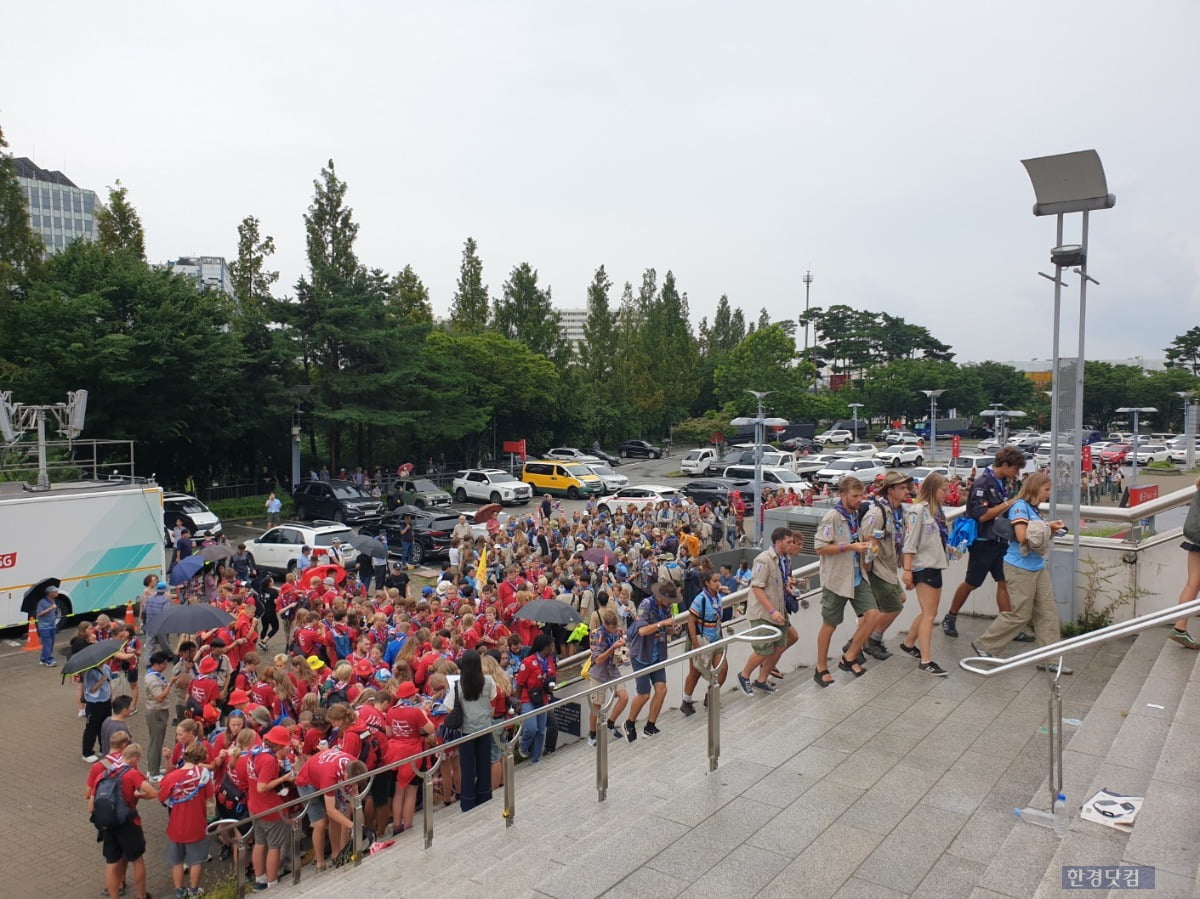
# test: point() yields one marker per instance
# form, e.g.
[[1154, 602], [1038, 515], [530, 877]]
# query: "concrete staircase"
[[894, 784]]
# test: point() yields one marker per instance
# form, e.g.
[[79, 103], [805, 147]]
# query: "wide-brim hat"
[[894, 478]]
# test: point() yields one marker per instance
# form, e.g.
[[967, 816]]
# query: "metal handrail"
[[495, 730], [1131, 514], [994, 666]]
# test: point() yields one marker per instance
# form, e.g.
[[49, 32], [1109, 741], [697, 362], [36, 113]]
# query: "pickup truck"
[[697, 461], [490, 485]]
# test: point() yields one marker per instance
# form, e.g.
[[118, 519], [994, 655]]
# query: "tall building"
[[59, 211], [206, 271], [570, 326]]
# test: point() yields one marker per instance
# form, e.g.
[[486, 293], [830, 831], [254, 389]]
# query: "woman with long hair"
[[924, 558], [476, 691], [500, 710], [1191, 587], [1027, 574]]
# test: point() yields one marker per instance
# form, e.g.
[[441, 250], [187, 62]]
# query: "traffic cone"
[[129, 619], [32, 643]]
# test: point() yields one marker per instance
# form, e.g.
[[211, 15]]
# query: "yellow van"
[[569, 479]]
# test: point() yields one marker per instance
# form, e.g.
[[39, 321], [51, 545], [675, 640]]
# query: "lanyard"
[[851, 521]]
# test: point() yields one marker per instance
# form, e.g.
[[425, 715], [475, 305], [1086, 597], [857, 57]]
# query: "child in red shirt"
[[185, 792]]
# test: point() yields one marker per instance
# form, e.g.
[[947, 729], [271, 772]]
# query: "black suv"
[[431, 531], [639, 448], [336, 501]]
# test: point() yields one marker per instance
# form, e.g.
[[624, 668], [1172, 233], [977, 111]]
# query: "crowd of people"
[[318, 680]]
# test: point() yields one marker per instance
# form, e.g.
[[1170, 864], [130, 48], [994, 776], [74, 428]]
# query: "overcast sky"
[[877, 143]]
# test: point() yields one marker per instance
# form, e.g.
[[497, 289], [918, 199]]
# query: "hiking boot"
[[876, 650], [948, 627], [650, 730], [1023, 637], [687, 707], [980, 652], [860, 659], [911, 650], [934, 668], [744, 683], [631, 730], [1183, 638]]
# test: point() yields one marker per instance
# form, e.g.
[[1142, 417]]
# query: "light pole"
[[301, 391], [854, 407], [807, 279], [1184, 395], [1135, 411], [759, 423], [933, 398], [1189, 438]]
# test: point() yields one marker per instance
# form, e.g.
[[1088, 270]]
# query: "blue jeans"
[[46, 635], [475, 763], [406, 552], [533, 734]]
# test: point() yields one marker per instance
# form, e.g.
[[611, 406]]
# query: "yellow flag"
[[481, 571]]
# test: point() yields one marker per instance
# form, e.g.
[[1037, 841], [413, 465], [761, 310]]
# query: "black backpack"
[[109, 808]]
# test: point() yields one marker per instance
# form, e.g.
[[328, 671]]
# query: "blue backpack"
[[964, 530]]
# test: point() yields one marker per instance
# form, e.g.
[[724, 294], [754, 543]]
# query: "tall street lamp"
[[1184, 395], [933, 398], [808, 279], [760, 423], [1062, 184], [1187, 432], [854, 407], [1135, 411]]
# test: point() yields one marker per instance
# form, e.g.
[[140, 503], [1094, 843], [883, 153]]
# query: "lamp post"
[[1135, 411], [933, 398], [854, 407], [1184, 395], [301, 391], [1189, 438], [759, 423], [807, 279]]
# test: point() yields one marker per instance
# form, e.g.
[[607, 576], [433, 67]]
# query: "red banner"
[[1085, 458], [514, 446], [955, 446], [1139, 495]]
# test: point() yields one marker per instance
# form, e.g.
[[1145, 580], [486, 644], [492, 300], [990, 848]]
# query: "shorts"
[[126, 843], [383, 787], [769, 647], [272, 834], [888, 597], [644, 682], [930, 576], [833, 607], [188, 853], [315, 808], [132, 676], [1189, 547], [985, 557]]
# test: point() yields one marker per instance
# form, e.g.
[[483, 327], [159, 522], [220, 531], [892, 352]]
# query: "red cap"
[[279, 735], [239, 697], [208, 665], [406, 689]]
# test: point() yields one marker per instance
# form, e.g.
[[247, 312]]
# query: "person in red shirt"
[[323, 770], [408, 727], [492, 634], [126, 845], [266, 771], [536, 679], [205, 690], [187, 732], [185, 792]]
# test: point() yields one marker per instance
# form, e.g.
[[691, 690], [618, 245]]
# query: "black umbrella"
[[92, 656], [368, 546], [189, 619], [215, 552], [34, 595], [549, 611]]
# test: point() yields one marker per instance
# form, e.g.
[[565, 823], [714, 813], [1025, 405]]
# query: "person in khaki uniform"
[[841, 550], [884, 523], [769, 581]]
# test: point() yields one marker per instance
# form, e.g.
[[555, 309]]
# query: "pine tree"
[[409, 297], [524, 313], [118, 225], [599, 347], [470, 306], [251, 280]]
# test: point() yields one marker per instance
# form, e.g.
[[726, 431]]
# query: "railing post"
[[714, 716], [427, 799], [1056, 736], [510, 774], [297, 829], [601, 709], [356, 832]]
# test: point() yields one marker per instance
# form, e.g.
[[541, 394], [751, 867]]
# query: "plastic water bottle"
[[1062, 818]]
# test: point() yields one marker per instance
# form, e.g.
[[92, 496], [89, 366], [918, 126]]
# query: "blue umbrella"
[[186, 569]]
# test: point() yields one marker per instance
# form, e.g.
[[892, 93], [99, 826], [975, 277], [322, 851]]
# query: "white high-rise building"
[[207, 271], [570, 326], [59, 211]]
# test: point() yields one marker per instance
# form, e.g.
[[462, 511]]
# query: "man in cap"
[[770, 584], [46, 614], [883, 524], [154, 606]]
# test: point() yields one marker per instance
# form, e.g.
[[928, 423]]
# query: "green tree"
[[764, 360], [20, 247], [599, 348], [118, 225], [670, 353], [1107, 387], [1184, 351], [470, 305], [525, 313], [252, 281], [1002, 384], [409, 298]]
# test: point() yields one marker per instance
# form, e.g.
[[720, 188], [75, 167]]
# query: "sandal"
[[776, 673], [853, 667], [819, 678]]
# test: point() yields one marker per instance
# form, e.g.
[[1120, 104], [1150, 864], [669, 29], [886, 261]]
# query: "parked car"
[[431, 531], [901, 454], [490, 485], [697, 461], [639, 496], [714, 490], [772, 476], [419, 492], [341, 501], [835, 436], [1115, 453], [921, 473], [1151, 452], [569, 479], [866, 470], [966, 466], [856, 451], [608, 458], [277, 550], [895, 436], [1178, 453], [639, 448], [610, 479], [570, 454], [196, 516], [747, 454], [801, 445]]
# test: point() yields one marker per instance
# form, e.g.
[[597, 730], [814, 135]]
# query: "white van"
[[966, 466], [772, 476]]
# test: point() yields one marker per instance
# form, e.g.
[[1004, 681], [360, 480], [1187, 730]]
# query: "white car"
[[866, 470], [921, 473], [610, 479], [490, 485], [277, 549], [1151, 452], [901, 455], [856, 451], [772, 476], [1178, 453], [570, 454], [835, 436], [641, 497], [698, 460]]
